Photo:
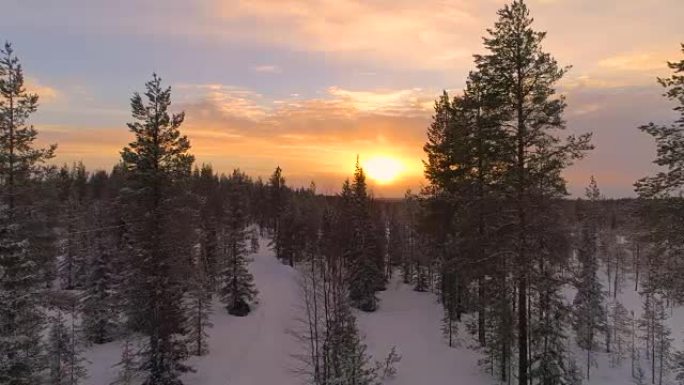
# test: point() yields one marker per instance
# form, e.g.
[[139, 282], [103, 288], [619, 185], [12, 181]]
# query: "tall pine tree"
[[21, 318], [524, 75], [157, 165]]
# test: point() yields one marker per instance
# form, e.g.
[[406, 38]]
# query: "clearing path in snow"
[[411, 321], [256, 349]]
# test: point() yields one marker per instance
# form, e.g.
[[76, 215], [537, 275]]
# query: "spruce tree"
[[206, 187], [21, 318], [364, 262], [157, 165], [395, 244], [199, 298], [58, 346], [74, 246], [276, 204], [23, 267], [678, 366], [98, 302], [236, 282], [354, 366], [64, 351], [590, 315], [663, 342], [662, 212], [127, 365], [620, 326]]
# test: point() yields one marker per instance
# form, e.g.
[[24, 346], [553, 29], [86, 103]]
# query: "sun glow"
[[382, 169]]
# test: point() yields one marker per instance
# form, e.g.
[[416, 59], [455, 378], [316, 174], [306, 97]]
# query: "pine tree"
[[668, 139], [23, 269], [662, 210], [354, 363], [590, 316], [19, 159], [395, 244], [236, 282], [574, 375], [98, 302], [157, 166], [127, 365], [199, 312], [276, 204], [21, 320], [363, 257], [640, 377], [73, 260], [64, 351], [58, 347], [678, 366], [449, 320], [620, 328], [206, 187], [524, 77], [663, 341]]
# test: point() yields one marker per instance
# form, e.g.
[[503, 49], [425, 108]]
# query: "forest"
[[149, 256]]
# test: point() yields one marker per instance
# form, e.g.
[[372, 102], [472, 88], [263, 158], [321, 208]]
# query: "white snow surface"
[[258, 349]]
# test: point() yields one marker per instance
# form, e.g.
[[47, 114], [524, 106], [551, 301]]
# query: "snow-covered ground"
[[258, 349], [411, 321]]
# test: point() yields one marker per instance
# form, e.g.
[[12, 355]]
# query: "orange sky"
[[310, 84]]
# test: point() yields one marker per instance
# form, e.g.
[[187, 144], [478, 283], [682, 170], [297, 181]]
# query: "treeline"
[[138, 253]]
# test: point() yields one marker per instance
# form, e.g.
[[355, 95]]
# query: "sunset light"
[[318, 192], [382, 169]]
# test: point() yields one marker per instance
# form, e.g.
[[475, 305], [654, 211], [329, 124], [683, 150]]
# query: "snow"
[[411, 321], [258, 349]]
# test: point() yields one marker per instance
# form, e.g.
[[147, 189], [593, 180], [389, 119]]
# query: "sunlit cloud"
[[398, 102], [375, 30], [636, 61], [236, 101], [268, 69], [47, 94]]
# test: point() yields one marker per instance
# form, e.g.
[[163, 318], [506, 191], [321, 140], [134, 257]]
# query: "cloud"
[[358, 29], [390, 102], [238, 102], [46, 94], [636, 61], [570, 83], [268, 69]]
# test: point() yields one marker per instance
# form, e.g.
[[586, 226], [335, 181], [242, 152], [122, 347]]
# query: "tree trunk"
[[481, 314]]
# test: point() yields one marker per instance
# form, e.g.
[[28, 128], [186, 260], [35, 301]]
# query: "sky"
[[310, 84]]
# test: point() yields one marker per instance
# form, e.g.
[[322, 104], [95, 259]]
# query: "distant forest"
[[138, 252]]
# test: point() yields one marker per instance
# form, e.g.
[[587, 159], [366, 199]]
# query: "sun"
[[382, 169]]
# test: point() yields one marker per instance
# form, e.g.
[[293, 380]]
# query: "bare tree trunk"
[[608, 329], [588, 361], [636, 268], [481, 336]]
